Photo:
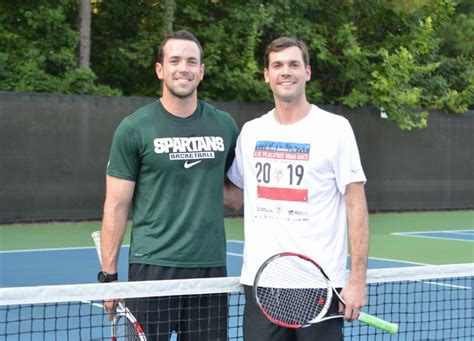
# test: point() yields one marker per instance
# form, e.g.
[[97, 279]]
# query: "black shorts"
[[258, 327], [192, 317]]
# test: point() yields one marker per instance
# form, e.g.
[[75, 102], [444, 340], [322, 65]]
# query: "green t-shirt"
[[178, 166]]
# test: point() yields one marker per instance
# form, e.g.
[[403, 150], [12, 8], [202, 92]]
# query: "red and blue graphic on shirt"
[[280, 168]]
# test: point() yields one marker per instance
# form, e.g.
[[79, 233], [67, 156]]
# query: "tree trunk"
[[170, 6], [85, 19]]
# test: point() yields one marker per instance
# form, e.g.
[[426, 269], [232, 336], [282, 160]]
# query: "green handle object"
[[376, 322]]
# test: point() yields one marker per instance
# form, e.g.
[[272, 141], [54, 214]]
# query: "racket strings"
[[293, 291], [126, 329], [292, 306], [125, 326]]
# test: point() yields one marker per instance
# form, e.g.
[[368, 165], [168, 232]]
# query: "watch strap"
[[105, 277]]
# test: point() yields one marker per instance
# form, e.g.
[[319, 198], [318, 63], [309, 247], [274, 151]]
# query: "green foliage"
[[39, 50], [229, 32], [125, 35], [402, 56], [458, 33], [392, 90], [450, 86]]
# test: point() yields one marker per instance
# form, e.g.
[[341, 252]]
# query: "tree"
[[230, 32], [400, 56], [170, 7], [125, 36], [38, 44], [374, 52], [458, 34], [85, 17], [453, 87]]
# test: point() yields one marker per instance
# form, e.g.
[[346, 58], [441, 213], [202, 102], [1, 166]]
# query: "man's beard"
[[182, 95]]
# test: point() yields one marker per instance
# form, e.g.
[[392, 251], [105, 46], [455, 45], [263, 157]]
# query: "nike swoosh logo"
[[190, 164]]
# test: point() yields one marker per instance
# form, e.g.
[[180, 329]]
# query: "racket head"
[[292, 290], [125, 326]]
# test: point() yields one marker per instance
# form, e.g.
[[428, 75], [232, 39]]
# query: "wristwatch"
[[105, 277]]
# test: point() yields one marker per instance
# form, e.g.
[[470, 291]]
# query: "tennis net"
[[428, 303]]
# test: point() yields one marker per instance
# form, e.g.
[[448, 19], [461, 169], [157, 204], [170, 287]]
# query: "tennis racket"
[[124, 325], [293, 291]]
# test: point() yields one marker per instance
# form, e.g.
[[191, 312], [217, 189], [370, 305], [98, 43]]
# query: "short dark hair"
[[283, 43], [179, 35]]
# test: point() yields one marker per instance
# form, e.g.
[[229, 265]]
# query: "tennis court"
[[62, 253]]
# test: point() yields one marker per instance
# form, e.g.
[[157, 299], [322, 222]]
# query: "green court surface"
[[383, 243]]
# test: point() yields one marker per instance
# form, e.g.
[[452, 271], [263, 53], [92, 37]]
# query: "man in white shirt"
[[303, 184]]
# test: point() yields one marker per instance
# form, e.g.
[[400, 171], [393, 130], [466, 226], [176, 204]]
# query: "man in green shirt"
[[168, 159]]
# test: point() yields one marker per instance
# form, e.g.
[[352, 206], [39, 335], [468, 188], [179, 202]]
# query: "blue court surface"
[[80, 265]]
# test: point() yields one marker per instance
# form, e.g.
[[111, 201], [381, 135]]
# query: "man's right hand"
[[110, 307]]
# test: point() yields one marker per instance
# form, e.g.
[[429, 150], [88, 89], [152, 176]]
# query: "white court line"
[[93, 304], [228, 253], [437, 231], [424, 234], [55, 249], [51, 249], [399, 261], [468, 232], [446, 285], [422, 281], [235, 254], [91, 247], [374, 258]]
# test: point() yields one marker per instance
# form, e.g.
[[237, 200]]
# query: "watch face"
[[102, 277]]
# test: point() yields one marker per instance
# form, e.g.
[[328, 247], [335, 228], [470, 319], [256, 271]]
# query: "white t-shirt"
[[294, 179]]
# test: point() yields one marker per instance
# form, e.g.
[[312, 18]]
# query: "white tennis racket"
[[124, 325], [293, 291]]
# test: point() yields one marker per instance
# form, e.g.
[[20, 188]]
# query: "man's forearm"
[[119, 194], [359, 255], [358, 222], [114, 224]]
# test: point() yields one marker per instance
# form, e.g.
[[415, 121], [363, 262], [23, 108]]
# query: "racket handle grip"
[[376, 322]]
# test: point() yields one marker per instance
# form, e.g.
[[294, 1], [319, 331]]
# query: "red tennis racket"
[[293, 291]]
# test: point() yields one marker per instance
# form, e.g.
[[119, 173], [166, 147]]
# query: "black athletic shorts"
[[258, 327], [191, 317]]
